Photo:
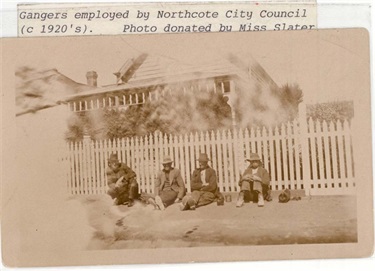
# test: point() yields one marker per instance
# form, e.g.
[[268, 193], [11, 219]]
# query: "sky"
[[329, 66]]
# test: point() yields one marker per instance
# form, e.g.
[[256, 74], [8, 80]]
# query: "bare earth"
[[319, 219]]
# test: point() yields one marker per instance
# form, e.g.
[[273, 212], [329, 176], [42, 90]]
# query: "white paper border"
[[331, 14]]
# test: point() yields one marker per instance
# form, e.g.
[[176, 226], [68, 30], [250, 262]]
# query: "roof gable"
[[163, 70]]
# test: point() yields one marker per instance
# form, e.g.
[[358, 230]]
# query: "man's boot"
[[240, 199], [187, 204], [260, 200], [152, 202], [159, 203], [192, 204], [130, 203]]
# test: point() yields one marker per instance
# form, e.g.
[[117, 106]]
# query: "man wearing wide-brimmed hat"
[[203, 185], [169, 186], [122, 183], [255, 182]]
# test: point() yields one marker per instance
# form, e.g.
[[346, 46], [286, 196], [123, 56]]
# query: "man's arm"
[[265, 177], [111, 178], [157, 185], [246, 176], [181, 185], [129, 173]]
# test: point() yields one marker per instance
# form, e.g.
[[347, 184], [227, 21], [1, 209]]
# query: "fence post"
[[304, 141], [356, 144], [236, 134], [86, 164]]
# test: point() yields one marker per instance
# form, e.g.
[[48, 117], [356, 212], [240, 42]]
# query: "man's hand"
[[119, 182], [177, 200], [256, 178], [247, 178]]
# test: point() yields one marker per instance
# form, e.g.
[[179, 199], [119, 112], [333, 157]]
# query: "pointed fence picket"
[[314, 156]]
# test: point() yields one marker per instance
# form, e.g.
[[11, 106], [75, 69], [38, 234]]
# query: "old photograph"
[[186, 147]]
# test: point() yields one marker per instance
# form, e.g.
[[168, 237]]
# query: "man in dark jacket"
[[122, 183], [169, 186], [255, 181], [203, 186]]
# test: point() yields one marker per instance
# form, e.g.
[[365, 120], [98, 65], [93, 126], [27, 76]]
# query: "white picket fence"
[[314, 156]]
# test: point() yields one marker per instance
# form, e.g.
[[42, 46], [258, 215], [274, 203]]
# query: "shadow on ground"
[[325, 219]]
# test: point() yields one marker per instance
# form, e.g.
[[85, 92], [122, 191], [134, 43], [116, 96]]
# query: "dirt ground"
[[319, 219]]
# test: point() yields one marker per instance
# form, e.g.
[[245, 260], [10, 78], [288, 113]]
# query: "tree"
[[291, 96], [266, 104]]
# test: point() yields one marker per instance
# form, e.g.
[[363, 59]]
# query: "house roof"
[[36, 89], [150, 70], [163, 69]]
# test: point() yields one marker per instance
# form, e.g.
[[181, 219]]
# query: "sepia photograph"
[[186, 148]]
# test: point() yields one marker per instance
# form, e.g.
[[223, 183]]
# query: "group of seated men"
[[170, 187]]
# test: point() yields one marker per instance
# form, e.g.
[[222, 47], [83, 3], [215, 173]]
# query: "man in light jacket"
[[169, 186], [255, 181]]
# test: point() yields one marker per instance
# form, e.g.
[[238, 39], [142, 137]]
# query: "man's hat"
[[203, 157], [167, 160], [253, 157], [113, 158]]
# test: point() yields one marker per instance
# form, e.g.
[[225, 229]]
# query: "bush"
[[169, 114], [332, 111]]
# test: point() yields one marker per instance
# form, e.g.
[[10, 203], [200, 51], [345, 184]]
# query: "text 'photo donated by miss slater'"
[[63, 20]]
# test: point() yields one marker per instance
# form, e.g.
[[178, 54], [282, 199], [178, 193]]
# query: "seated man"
[[169, 186], [122, 183], [203, 186], [255, 181]]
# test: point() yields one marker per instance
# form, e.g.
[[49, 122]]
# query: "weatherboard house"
[[296, 153], [148, 77]]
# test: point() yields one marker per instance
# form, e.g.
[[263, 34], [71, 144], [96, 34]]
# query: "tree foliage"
[[184, 113], [331, 111], [174, 114], [291, 96], [266, 105]]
